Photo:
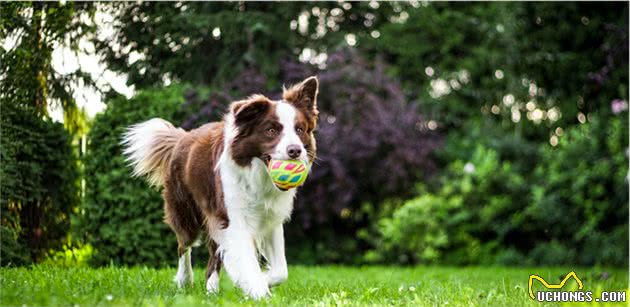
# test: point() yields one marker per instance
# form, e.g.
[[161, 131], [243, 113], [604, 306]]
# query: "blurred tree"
[[530, 67], [31, 31], [39, 167], [526, 68], [211, 42]]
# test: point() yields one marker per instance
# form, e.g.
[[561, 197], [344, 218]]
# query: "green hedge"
[[580, 200], [39, 185], [569, 207], [122, 217]]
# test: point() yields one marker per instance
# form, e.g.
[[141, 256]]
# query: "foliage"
[[28, 76], [580, 199], [210, 43], [306, 286], [529, 66], [417, 231], [122, 217], [463, 222], [39, 184], [70, 255], [512, 81], [571, 209]]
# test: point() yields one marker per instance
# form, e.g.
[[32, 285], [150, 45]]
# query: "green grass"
[[307, 286]]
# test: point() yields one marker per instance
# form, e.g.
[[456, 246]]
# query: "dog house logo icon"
[[552, 286]]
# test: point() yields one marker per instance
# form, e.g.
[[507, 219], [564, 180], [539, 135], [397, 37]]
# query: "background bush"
[[579, 203], [466, 221], [39, 184], [485, 211]]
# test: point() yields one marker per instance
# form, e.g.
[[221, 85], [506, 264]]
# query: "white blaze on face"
[[286, 115]]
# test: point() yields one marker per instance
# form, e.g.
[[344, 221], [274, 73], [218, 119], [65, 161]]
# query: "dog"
[[214, 179]]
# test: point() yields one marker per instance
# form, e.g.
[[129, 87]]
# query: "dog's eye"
[[271, 131], [299, 130]]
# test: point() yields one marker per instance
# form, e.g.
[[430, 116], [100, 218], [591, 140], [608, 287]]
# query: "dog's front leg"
[[273, 251], [241, 262]]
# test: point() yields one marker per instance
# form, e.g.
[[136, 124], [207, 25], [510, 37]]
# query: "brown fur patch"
[[258, 130], [304, 97], [214, 262], [307, 137], [192, 189]]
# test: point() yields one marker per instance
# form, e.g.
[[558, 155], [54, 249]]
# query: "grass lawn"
[[307, 286]]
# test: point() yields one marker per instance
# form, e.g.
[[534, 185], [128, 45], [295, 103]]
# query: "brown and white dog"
[[215, 180]]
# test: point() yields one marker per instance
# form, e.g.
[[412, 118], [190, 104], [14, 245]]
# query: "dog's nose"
[[294, 151]]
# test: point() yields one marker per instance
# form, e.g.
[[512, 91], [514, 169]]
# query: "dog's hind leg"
[[214, 267], [184, 274], [184, 221]]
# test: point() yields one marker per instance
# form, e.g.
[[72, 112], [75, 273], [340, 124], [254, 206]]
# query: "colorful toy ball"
[[288, 174]]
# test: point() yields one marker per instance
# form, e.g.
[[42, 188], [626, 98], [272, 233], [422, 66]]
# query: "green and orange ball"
[[288, 174]]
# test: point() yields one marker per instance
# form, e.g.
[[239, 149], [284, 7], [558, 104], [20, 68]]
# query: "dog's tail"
[[149, 148]]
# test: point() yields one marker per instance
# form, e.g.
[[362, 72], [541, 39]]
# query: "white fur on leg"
[[273, 250], [212, 284], [184, 271], [241, 262]]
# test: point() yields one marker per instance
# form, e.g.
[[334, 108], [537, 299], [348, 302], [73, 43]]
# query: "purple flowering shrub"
[[373, 145]]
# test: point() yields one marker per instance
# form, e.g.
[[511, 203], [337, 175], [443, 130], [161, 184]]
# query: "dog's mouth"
[[266, 158]]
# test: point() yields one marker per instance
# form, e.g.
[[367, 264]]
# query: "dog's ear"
[[304, 94], [247, 110]]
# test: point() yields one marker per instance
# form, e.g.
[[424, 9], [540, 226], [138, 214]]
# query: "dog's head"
[[281, 129]]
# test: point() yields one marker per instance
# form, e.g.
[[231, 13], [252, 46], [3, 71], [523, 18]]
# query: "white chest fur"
[[251, 196]]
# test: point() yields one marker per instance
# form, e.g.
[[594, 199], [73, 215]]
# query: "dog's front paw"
[[258, 291]]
